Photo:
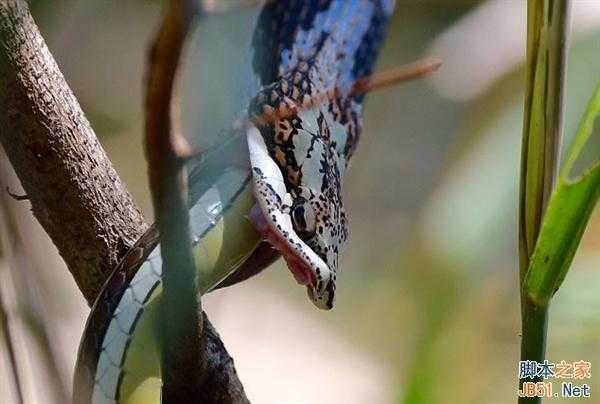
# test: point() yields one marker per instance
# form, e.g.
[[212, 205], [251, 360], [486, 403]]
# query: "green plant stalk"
[[534, 326], [565, 220], [532, 149], [547, 28]]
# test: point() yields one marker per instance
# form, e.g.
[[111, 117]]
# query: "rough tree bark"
[[74, 191]]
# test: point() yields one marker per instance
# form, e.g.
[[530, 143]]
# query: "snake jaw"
[[272, 219]]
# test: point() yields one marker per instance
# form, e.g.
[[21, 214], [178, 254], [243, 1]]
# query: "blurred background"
[[428, 304]]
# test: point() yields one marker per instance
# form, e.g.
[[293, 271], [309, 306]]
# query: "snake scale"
[[268, 190]]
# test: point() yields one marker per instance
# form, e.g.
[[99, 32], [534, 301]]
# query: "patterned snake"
[[275, 184]]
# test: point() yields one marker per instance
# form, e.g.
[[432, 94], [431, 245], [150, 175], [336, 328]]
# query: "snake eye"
[[303, 218]]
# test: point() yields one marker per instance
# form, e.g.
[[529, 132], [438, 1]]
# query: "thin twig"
[[181, 326], [376, 82], [411, 71], [15, 196]]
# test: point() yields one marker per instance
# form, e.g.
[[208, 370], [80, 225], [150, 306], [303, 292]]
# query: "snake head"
[[307, 57], [297, 166]]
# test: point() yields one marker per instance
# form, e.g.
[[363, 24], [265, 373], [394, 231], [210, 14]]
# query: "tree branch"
[[74, 191]]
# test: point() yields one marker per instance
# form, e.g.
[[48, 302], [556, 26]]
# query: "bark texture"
[[74, 191]]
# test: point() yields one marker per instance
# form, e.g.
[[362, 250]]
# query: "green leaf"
[[568, 212]]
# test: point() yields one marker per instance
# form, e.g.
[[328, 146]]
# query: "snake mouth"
[[272, 219], [300, 268]]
